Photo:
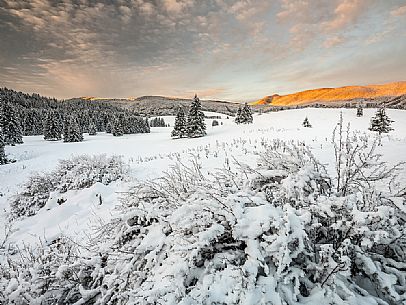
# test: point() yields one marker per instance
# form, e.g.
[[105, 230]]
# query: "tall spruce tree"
[[180, 127], [73, 131], [11, 124], [32, 122], [3, 159], [52, 127], [380, 122], [196, 126]]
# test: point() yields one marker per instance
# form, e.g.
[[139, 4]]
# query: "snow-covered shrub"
[[33, 278], [83, 171], [279, 233], [33, 196], [72, 174]]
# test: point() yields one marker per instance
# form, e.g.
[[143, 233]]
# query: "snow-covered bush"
[[72, 174], [279, 233]]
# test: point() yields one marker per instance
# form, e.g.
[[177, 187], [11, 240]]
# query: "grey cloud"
[[131, 47]]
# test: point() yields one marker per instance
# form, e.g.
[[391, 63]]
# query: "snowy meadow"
[[264, 213]]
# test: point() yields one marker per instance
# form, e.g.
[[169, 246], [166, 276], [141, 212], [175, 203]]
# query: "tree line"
[[24, 114]]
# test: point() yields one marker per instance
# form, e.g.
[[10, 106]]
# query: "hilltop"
[[332, 95]]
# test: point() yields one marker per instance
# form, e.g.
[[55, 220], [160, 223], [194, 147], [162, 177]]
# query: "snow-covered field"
[[151, 155]]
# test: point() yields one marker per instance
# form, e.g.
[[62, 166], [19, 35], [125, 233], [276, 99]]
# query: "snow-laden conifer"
[[381, 123], [196, 126], [238, 116], [117, 129], [3, 159], [306, 123], [246, 114], [52, 127], [11, 124], [92, 129], [360, 111], [180, 126], [73, 131]]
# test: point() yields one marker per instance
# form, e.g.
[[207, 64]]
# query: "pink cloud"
[[333, 41], [399, 11], [346, 13]]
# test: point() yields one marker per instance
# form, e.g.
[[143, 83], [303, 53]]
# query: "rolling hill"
[[331, 95], [162, 105]]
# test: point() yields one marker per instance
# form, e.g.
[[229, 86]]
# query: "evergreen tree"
[[158, 122], [92, 129], [146, 126], [195, 120], [32, 122], [238, 118], [73, 131], [246, 114], [65, 127], [306, 123], [11, 124], [380, 122], [180, 127], [360, 111], [108, 127], [117, 128], [3, 159], [52, 127]]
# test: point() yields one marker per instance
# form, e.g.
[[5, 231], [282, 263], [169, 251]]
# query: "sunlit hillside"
[[334, 94]]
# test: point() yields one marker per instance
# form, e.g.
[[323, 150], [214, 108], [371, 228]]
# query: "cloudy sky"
[[225, 49]]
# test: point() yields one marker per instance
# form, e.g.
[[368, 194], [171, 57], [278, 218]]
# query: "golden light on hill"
[[334, 94]]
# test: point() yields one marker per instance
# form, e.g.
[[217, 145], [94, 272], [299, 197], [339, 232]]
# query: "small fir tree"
[[360, 111], [246, 114], [52, 127], [381, 123], [196, 126], [180, 128], [306, 123]]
